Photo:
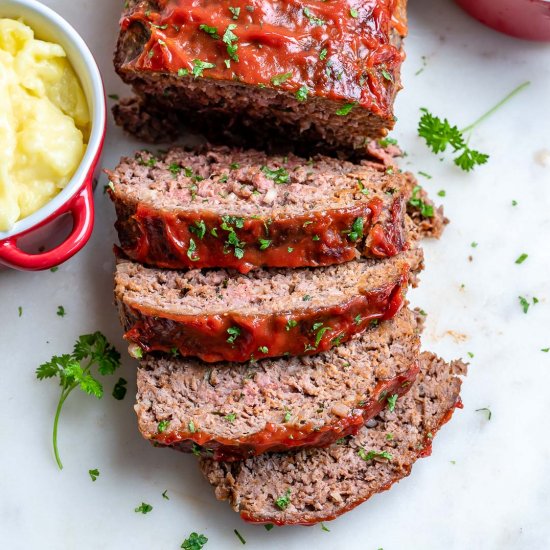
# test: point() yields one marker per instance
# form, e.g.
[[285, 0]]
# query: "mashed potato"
[[44, 122]]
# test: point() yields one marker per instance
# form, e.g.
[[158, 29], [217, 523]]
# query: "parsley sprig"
[[440, 134], [74, 371]]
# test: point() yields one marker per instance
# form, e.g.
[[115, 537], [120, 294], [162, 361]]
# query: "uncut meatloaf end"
[[305, 84], [231, 411], [227, 207], [314, 485], [221, 315]]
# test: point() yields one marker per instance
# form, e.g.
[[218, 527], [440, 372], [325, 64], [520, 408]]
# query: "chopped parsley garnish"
[[199, 229], [234, 166], [354, 13], [283, 501], [61, 311], [163, 426], [514, 203], [345, 109], [114, 97], [325, 528], [389, 437], [199, 66], [357, 320], [191, 427], [239, 536], [231, 417], [291, 323], [212, 31], [323, 54], [235, 11], [474, 244], [94, 474], [441, 193], [524, 304], [264, 243], [288, 416], [119, 391], [392, 400], [230, 38], [426, 210], [387, 75], [280, 175], [487, 411], [20, 311], [301, 94], [545, 350], [470, 355], [183, 72], [290, 249], [175, 169], [143, 508], [165, 495], [192, 251], [425, 174], [263, 349], [520, 259], [356, 231], [371, 455], [384, 142], [268, 526], [194, 542], [315, 238], [234, 333], [306, 298], [320, 332], [90, 349], [55, 268], [278, 79], [312, 19]]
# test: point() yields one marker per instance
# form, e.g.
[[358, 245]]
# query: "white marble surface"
[[487, 484]]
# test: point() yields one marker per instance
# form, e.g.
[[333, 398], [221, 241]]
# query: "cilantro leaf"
[[194, 542]]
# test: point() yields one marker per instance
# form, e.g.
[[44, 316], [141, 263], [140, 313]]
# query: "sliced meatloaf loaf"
[[315, 72], [217, 315], [314, 485], [232, 411], [223, 207]]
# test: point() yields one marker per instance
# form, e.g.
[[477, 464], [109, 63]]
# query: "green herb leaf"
[[235, 11], [279, 175], [212, 31], [90, 350], [291, 323], [165, 495], [119, 391], [325, 528], [234, 333], [487, 411], [264, 243], [199, 229], [323, 54], [392, 400], [183, 72], [268, 526], [230, 38], [283, 501], [345, 109], [61, 311], [94, 474], [354, 13], [199, 66], [278, 79], [263, 349], [163, 426], [371, 455], [426, 210], [302, 93], [356, 231], [192, 251], [312, 19], [194, 542], [524, 304], [143, 508], [522, 258]]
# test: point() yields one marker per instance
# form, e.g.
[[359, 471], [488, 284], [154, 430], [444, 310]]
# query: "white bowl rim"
[[53, 19]]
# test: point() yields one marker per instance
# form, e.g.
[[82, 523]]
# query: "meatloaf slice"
[[223, 207], [314, 485], [322, 72], [240, 410], [217, 315]]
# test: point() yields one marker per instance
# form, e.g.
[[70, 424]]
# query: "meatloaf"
[[303, 71], [314, 485], [217, 315], [223, 207], [232, 411]]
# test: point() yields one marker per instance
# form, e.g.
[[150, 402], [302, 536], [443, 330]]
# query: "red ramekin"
[[528, 19], [76, 198]]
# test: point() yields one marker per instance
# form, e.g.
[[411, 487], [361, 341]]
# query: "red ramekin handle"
[[82, 211]]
